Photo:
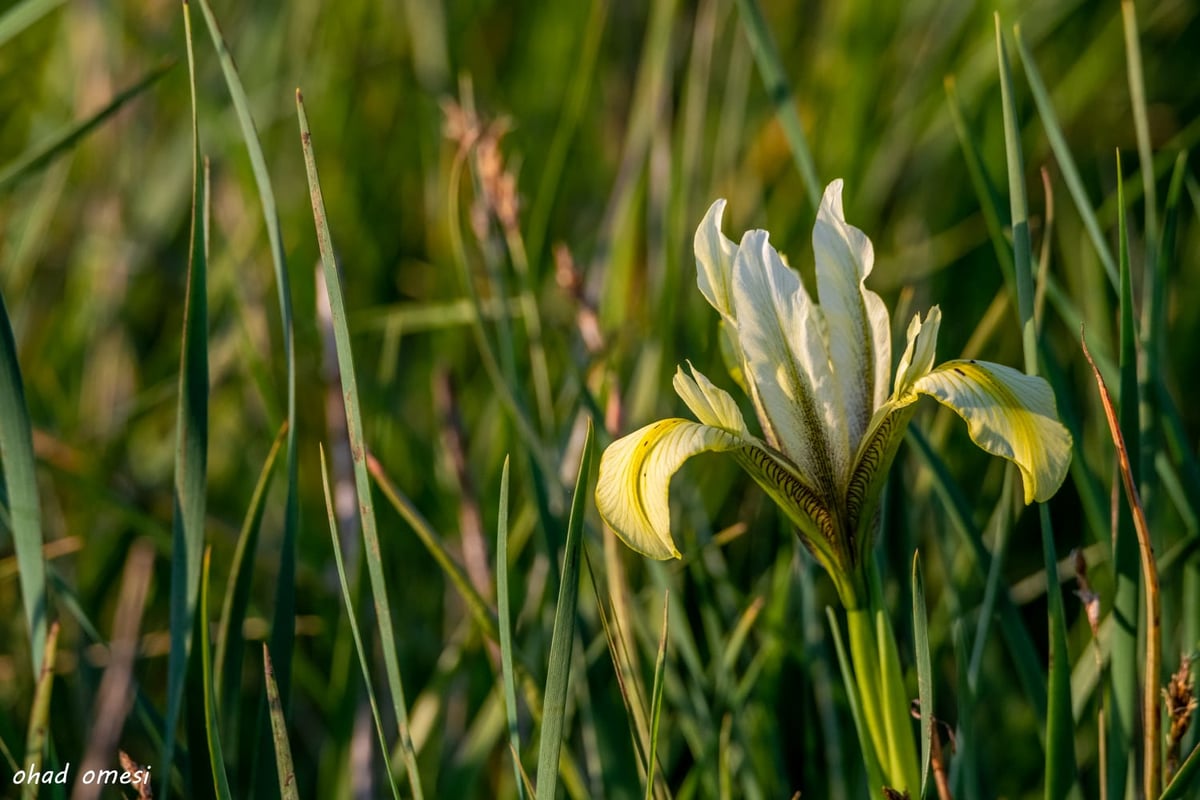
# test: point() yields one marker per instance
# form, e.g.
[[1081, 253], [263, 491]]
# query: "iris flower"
[[818, 375]]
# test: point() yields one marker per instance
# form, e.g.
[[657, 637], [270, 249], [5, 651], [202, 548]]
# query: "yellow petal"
[[1009, 414], [632, 493]]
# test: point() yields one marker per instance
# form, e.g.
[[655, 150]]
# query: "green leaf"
[[283, 750], [505, 625], [212, 726], [39, 714], [20, 486], [358, 451], [191, 446], [563, 639], [924, 668], [22, 15], [656, 698]]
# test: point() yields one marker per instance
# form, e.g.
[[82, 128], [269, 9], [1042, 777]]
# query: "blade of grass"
[[505, 625], [1141, 125], [22, 15], [358, 451], [1060, 725], [1177, 789], [1064, 157], [1151, 714], [283, 625], [656, 697], [211, 724], [477, 606], [39, 714], [64, 139], [228, 657], [283, 749], [563, 638], [363, 661], [20, 487], [191, 447], [924, 667], [780, 91]]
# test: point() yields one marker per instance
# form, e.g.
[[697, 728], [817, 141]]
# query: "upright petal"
[[920, 351], [787, 363], [632, 493], [714, 261], [711, 405], [858, 323], [1009, 414]]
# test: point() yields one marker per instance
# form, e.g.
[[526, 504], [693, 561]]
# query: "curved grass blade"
[[563, 638], [358, 450], [1064, 157], [1187, 775], [22, 15], [283, 627], [780, 91], [358, 642], [54, 146], [283, 750], [20, 486], [191, 446], [212, 730], [656, 697], [505, 624], [1152, 716], [924, 667], [228, 659], [39, 713]]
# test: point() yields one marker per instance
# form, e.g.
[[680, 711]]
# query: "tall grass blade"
[[363, 660], [780, 91], [1184, 779], [358, 451], [1064, 157], [1141, 125], [505, 624], [39, 714], [22, 15], [20, 487], [212, 730], [283, 749], [63, 140], [1152, 738], [191, 446], [228, 657], [656, 698], [563, 639], [1060, 726], [924, 668], [283, 627]]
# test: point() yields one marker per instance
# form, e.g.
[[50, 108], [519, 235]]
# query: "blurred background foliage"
[[624, 121]]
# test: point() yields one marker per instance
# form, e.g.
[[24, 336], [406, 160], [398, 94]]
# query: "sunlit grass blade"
[[505, 625], [358, 450], [20, 487], [283, 627], [63, 140], [216, 754], [39, 714], [1064, 157], [563, 639], [924, 667], [656, 698], [228, 657], [433, 543], [363, 660], [1152, 740], [22, 15], [780, 91], [283, 749], [191, 446], [1060, 725]]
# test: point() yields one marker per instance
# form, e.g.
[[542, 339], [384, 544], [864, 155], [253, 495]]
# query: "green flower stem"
[[880, 682]]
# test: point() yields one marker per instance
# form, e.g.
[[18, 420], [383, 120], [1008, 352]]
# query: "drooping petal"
[[920, 351], [1009, 414], [711, 404], [787, 363], [632, 493], [859, 327]]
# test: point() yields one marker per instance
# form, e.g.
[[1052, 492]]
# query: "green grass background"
[[625, 121]]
